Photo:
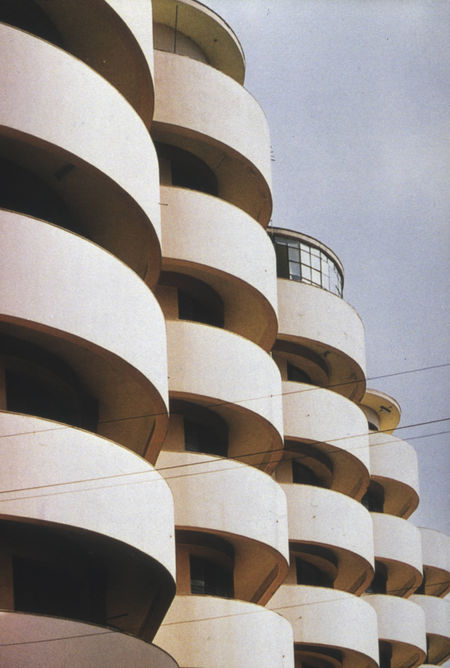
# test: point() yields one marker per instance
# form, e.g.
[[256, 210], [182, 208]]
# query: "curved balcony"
[[85, 307], [202, 111], [335, 426], [34, 640], [321, 517], [200, 33], [437, 623], [328, 328], [436, 562], [393, 464], [236, 379], [401, 624], [210, 495], [329, 620], [66, 491], [71, 136], [382, 411], [196, 629], [398, 546], [196, 229], [123, 56]]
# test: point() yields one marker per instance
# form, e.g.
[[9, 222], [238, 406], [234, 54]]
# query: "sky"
[[357, 97]]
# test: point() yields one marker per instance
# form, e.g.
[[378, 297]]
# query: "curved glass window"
[[301, 261]]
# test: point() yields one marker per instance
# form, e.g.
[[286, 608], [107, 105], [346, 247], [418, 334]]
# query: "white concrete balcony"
[[243, 505], [236, 379], [381, 409], [393, 464], [397, 545], [71, 136], [321, 517], [330, 619], [328, 328], [211, 632], [75, 493], [335, 426], [33, 640], [218, 243], [437, 624], [203, 111], [401, 624], [201, 34], [68, 296], [436, 562]]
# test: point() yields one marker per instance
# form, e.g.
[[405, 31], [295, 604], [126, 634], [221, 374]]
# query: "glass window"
[[209, 577]]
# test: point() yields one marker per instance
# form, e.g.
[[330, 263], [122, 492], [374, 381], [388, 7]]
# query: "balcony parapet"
[[331, 619], [393, 465], [244, 505], [196, 229], [335, 426], [191, 29], [401, 625], [348, 536], [398, 546], [436, 561], [382, 411], [196, 629], [204, 112], [243, 386], [34, 640], [437, 623]]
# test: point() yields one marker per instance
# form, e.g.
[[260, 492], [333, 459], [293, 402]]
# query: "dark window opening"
[[187, 170], [379, 582], [303, 475], [297, 375], [372, 426], [27, 15], [53, 590], [385, 655], [197, 301], [23, 192], [311, 574], [37, 383], [373, 499], [208, 438], [208, 577], [309, 656]]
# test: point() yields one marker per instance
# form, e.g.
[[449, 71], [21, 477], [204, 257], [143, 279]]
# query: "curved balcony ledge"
[[195, 628], [393, 464], [332, 619], [88, 319], [349, 534], [196, 228], [335, 426], [437, 623], [236, 379], [207, 30], [244, 505], [384, 409], [205, 112], [60, 482], [436, 561], [73, 140], [64, 466], [397, 544], [34, 640], [401, 623], [327, 326]]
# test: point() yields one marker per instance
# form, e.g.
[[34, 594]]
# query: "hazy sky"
[[357, 99]]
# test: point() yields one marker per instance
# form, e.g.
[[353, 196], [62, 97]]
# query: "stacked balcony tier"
[[209, 632], [58, 155]]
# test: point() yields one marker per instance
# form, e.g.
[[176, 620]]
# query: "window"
[[187, 170], [51, 589], [379, 582], [205, 437], [297, 375], [373, 499], [312, 574], [303, 475], [209, 577], [301, 261]]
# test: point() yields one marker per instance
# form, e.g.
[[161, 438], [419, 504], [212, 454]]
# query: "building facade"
[[194, 471]]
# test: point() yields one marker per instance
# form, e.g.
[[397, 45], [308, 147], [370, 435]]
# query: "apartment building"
[[194, 471]]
